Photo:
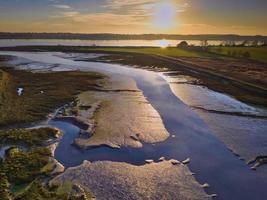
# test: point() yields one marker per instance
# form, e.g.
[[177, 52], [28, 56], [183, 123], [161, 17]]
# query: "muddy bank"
[[113, 180]]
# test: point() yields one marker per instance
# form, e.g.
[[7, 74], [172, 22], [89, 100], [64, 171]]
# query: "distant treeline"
[[107, 36]]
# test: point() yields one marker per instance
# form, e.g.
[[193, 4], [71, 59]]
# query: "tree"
[[183, 44]]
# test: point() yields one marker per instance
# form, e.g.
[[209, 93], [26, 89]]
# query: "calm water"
[[152, 43], [212, 162]]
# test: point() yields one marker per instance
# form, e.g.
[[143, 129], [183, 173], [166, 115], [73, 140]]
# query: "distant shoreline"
[[110, 36]]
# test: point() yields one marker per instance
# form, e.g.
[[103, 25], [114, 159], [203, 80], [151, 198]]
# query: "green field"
[[170, 51], [256, 53]]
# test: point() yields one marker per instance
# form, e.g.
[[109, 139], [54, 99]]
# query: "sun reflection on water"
[[163, 43]]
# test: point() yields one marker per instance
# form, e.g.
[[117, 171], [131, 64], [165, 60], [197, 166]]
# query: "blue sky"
[[135, 16]]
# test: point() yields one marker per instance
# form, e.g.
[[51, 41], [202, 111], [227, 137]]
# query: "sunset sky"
[[245, 17]]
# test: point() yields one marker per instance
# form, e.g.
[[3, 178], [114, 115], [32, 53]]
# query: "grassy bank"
[[43, 92], [171, 51], [255, 53]]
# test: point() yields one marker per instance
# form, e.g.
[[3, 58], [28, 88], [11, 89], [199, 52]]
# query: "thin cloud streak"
[[61, 6]]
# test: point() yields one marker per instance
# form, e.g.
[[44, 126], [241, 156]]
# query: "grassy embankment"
[[256, 53]]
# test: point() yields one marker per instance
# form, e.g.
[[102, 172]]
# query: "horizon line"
[[134, 34]]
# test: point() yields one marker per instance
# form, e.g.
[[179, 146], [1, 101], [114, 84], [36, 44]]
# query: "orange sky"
[[243, 17]]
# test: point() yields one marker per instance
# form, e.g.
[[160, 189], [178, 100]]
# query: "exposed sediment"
[[113, 180], [118, 116]]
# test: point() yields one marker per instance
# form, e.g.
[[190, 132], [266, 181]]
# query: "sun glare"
[[165, 15], [163, 43]]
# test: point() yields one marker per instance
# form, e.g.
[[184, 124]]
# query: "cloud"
[[60, 6], [101, 18], [118, 4], [118, 13]]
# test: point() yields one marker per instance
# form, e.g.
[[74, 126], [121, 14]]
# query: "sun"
[[165, 15]]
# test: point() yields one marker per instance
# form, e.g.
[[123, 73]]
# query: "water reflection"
[[123, 43]]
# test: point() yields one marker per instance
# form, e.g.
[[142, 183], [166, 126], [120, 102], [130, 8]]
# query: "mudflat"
[[113, 180]]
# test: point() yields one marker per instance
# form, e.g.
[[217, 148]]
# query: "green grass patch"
[[20, 169], [18, 189], [256, 53], [64, 188], [37, 191], [29, 137], [170, 51], [24, 166]]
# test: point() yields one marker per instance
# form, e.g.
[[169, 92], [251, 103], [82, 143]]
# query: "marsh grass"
[[43, 92], [23, 166], [38, 191], [29, 137], [22, 170]]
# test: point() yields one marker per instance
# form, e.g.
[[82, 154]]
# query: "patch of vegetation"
[[66, 191], [20, 168], [18, 189], [255, 53], [24, 166], [43, 92], [4, 185], [22, 171], [29, 137], [37, 191], [170, 51]]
